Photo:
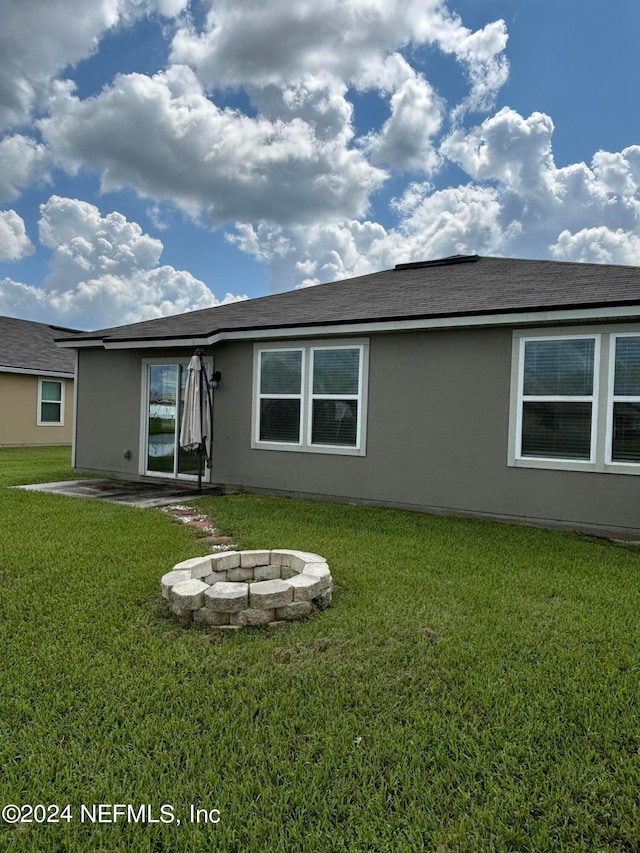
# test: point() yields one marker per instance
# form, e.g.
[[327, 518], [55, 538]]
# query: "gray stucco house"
[[479, 386]]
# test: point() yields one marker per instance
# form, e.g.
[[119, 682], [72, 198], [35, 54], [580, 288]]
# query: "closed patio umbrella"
[[195, 429]]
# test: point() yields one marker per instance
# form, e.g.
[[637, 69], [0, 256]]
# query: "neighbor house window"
[[576, 400], [310, 398], [50, 402]]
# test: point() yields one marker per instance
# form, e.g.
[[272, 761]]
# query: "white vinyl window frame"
[[603, 399], [42, 398], [290, 396], [591, 399], [614, 398], [307, 397]]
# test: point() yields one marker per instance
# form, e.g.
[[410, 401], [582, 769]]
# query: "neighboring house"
[[491, 387], [36, 384]]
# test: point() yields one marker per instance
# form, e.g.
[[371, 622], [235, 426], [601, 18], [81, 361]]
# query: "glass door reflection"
[[167, 384]]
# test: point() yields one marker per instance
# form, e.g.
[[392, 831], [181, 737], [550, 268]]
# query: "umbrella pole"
[[208, 401], [203, 384], [205, 400], [201, 423]]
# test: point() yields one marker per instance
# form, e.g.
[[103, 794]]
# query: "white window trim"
[[41, 400], [304, 445], [300, 396], [558, 398], [144, 421], [603, 399], [617, 398]]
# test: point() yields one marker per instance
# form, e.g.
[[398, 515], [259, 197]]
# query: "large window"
[[577, 401], [625, 403], [310, 398], [50, 402], [557, 398], [281, 396]]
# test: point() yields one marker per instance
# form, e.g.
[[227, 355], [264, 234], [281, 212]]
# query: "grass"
[[474, 686]]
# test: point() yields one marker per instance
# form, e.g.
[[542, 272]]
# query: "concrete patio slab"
[[123, 492]]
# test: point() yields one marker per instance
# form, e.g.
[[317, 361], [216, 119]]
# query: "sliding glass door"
[[165, 386]]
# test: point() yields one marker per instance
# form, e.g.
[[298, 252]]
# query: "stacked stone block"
[[234, 589]]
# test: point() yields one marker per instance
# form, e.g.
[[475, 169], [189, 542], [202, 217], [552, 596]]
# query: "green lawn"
[[473, 687]]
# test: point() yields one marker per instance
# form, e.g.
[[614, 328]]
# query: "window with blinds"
[[310, 397], [625, 433], [557, 398], [334, 396], [577, 401], [281, 396]]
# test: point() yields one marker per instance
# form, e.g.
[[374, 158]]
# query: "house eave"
[[83, 343], [515, 318], [56, 374]]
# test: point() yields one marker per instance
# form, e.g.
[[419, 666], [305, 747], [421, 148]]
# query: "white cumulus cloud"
[[243, 42], [38, 41], [164, 137], [600, 245], [292, 164], [14, 242], [104, 271], [293, 156], [281, 45], [546, 201], [301, 257], [407, 139], [517, 202], [85, 242], [506, 147], [483, 53], [23, 163], [463, 220]]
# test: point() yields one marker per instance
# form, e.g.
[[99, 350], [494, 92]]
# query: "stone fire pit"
[[233, 589]]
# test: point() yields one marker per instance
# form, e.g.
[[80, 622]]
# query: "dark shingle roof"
[[450, 287], [29, 346]]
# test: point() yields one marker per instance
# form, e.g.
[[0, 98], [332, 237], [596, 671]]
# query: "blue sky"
[[158, 156]]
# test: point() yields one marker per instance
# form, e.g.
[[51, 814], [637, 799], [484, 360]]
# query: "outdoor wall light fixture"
[[216, 376]]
